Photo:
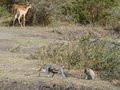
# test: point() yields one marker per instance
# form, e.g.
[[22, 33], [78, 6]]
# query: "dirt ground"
[[19, 73]]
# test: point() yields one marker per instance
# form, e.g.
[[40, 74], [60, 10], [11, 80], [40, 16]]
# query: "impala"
[[20, 11]]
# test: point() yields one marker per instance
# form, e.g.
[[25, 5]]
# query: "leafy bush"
[[96, 12], [39, 14], [91, 51], [8, 3], [91, 11], [45, 12], [3, 12]]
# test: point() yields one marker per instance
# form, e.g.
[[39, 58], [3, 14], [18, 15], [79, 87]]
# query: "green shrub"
[[96, 12], [3, 12], [39, 15], [8, 3], [46, 12], [91, 51]]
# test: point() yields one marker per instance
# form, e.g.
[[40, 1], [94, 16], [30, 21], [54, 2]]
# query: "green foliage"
[[8, 3], [91, 51], [6, 7], [44, 12], [39, 14], [3, 12], [95, 12], [91, 11]]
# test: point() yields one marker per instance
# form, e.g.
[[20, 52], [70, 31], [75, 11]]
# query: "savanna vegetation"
[[99, 52], [90, 51], [45, 12]]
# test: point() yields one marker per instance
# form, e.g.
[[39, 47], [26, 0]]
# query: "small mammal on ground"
[[52, 68]]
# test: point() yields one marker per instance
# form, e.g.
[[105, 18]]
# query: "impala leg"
[[14, 19], [24, 21], [19, 20]]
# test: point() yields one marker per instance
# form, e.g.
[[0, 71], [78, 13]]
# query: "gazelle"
[[19, 12]]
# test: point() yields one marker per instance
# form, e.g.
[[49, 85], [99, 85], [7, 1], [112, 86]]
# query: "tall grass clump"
[[91, 51]]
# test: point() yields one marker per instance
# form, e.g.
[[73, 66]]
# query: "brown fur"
[[20, 11]]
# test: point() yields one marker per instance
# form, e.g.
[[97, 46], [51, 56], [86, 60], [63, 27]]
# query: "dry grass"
[[17, 43]]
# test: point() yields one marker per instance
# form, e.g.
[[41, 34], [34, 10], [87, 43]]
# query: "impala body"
[[20, 11]]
